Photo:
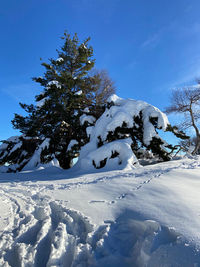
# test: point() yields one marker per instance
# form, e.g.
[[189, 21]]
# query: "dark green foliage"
[[157, 149], [68, 88]]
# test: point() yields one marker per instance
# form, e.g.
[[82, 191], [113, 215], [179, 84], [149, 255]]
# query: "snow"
[[126, 158], [79, 92], [147, 216], [40, 103], [87, 118], [71, 144], [35, 160], [86, 110], [59, 60], [56, 83], [14, 139], [89, 130], [75, 112], [123, 111], [15, 147]]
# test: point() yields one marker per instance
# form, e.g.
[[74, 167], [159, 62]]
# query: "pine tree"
[[69, 91]]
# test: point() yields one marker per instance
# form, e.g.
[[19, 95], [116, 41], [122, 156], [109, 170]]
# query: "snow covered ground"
[[149, 216]]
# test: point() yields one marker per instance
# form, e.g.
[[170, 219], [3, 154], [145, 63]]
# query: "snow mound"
[[116, 153]]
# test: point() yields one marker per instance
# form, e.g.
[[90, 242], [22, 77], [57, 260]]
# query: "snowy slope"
[[149, 216]]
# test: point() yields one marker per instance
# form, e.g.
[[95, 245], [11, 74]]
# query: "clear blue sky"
[[148, 46]]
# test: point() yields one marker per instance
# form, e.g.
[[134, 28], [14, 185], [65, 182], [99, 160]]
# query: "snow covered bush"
[[126, 128], [16, 151], [21, 153]]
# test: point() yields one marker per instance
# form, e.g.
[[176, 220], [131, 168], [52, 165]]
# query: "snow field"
[[143, 217]]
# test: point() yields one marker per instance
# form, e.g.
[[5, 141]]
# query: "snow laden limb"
[[87, 119], [35, 161], [24, 153], [16, 152], [126, 127], [71, 144]]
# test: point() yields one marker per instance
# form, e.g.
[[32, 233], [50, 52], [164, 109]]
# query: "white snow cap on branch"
[[87, 118], [79, 92], [71, 144], [86, 110], [56, 83], [60, 59]]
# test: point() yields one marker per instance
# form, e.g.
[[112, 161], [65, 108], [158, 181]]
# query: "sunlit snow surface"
[[149, 216]]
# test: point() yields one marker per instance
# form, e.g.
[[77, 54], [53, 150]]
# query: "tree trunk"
[[65, 162], [197, 146]]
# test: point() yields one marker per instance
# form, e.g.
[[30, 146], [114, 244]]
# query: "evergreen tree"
[[69, 91], [128, 130]]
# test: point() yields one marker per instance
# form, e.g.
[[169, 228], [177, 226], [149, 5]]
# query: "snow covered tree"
[[124, 129], [186, 101], [69, 91]]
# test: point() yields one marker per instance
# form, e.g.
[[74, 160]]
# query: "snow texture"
[[144, 217]]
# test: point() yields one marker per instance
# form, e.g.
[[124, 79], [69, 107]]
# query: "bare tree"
[[186, 101], [103, 87], [188, 144]]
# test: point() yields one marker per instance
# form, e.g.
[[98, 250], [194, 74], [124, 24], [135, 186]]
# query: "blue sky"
[[148, 46]]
